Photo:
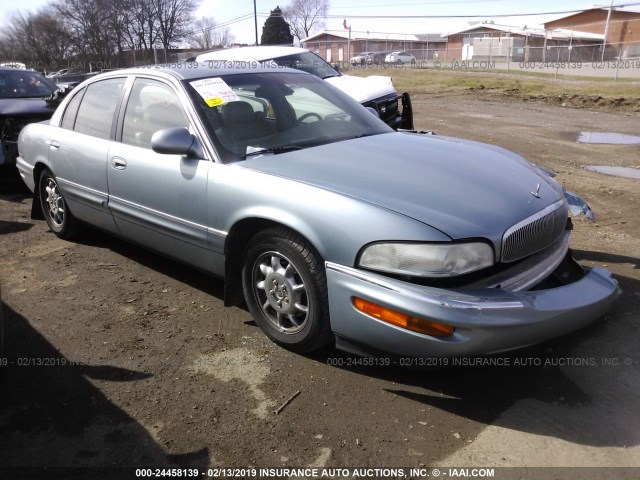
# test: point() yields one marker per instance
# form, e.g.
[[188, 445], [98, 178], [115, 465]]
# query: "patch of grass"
[[429, 81]]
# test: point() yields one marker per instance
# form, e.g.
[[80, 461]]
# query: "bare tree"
[[88, 24], [207, 35], [305, 16], [174, 18], [142, 31], [38, 39]]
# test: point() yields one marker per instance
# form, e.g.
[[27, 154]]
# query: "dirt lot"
[[120, 357]]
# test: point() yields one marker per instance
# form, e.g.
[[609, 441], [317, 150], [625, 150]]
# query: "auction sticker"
[[214, 91]]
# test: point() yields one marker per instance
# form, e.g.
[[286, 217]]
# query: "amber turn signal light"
[[403, 320]]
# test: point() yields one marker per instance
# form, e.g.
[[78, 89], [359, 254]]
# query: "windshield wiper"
[[251, 151]]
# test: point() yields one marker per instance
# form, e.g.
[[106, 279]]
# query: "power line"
[[485, 15], [418, 4]]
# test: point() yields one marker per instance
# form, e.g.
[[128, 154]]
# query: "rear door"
[[158, 200], [78, 150]]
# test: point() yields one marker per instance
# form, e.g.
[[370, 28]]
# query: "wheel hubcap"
[[54, 202], [281, 292]]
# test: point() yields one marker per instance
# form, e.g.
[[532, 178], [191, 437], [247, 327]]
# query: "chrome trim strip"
[[82, 187], [447, 299], [172, 218]]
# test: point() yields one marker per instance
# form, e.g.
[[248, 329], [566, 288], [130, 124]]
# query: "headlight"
[[427, 260]]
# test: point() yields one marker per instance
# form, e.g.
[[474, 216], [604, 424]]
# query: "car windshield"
[[307, 62], [276, 112], [24, 84]]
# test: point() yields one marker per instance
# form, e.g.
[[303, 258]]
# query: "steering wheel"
[[309, 115]]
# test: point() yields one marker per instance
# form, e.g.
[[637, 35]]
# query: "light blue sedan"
[[327, 223]]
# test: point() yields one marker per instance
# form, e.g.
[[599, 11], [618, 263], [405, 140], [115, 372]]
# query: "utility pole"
[[255, 20], [606, 30], [349, 47]]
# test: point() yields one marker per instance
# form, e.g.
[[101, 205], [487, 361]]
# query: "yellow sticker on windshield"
[[214, 91], [214, 102]]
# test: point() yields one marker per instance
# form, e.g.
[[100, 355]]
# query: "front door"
[[158, 200]]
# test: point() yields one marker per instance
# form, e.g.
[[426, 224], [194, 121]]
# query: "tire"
[[285, 288], [54, 207]]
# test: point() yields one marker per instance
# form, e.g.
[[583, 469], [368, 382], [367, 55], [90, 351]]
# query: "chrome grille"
[[534, 233], [386, 107]]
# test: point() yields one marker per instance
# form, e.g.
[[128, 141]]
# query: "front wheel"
[[286, 290], [56, 213]]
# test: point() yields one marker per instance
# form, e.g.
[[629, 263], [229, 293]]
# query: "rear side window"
[[95, 115], [69, 117]]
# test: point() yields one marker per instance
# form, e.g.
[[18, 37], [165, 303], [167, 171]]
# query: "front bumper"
[[486, 321]]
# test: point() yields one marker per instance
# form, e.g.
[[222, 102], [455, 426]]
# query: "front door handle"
[[118, 163]]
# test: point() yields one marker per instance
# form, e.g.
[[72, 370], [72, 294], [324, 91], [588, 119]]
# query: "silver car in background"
[[326, 222]]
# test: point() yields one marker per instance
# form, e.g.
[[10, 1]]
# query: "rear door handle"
[[118, 163], [54, 145]]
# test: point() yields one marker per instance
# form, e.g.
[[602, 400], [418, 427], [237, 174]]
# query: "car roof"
[[193, 70], [250, 53]]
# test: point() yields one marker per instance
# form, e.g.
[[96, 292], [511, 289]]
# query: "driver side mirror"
[[177, 141]]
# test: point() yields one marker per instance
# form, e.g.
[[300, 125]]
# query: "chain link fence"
[[577, 50]]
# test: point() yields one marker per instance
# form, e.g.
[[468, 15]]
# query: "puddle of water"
[[625, 172], [609, 138]]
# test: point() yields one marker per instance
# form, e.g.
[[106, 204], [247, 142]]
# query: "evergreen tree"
[[276, 30]]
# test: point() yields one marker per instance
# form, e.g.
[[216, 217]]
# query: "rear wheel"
[[56, 213], [286, 290]]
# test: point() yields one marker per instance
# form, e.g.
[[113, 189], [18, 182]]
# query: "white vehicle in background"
[[16, 65], [375, 91], [400, 58], [360, 58]]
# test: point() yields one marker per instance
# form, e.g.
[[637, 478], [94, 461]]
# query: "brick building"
[[335, 46], [501, 43], [623, 34]]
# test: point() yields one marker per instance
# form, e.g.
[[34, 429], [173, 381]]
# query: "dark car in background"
[[22, 101], [376, 58], [71, 79]]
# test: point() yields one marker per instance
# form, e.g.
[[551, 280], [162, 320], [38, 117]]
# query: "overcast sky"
[[243, 30]]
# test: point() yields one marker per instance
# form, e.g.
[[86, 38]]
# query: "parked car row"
[[381, 58]]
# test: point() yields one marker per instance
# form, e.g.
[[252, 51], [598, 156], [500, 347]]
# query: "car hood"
[[18, 107], [363, 89], [464, 189]]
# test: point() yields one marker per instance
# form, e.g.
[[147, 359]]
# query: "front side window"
[[152, 106], [98, 106], [276, 112]]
